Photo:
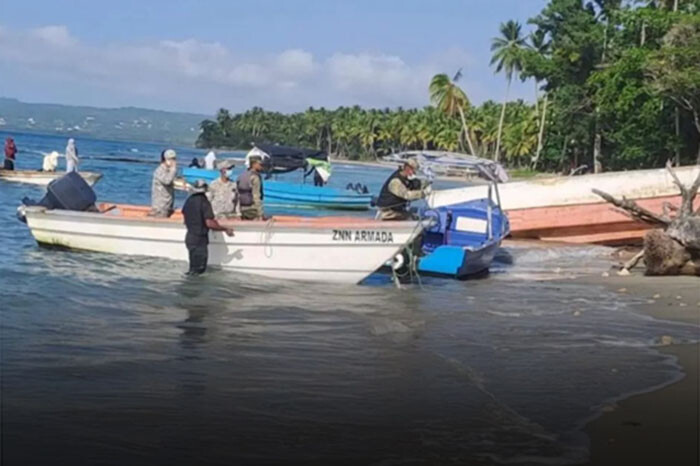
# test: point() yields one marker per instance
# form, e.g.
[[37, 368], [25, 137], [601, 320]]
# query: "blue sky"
[[282, 55]]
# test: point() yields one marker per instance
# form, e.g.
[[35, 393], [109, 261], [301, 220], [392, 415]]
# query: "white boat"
[[322, 249], [43, 178], [566, 209]]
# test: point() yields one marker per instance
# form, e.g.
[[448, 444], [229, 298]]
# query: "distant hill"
[[126, 123]]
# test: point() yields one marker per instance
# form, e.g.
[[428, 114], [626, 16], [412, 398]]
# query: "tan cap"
[[170, 154], [413, 163]]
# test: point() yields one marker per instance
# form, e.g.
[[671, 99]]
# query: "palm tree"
[[507, 57], [447, 96]]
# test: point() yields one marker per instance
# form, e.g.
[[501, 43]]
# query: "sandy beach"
[[662, 426]]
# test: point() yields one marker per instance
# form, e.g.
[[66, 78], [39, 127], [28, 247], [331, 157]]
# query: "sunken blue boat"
[[463, 239], [278, 193]]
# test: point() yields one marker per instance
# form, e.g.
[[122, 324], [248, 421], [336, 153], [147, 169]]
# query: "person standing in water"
[[250, 190], [71, 156], [10, 154], [199, 219], [162, 187]]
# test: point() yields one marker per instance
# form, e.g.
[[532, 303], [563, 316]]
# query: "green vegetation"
[[617, 86]]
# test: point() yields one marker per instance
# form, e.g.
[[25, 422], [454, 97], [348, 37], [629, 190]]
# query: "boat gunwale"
[[288, 223]]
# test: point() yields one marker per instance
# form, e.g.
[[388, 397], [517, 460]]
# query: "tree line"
[[616, 85]]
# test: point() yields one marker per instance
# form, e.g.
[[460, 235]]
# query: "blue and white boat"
[[463, 238], [282, 194]]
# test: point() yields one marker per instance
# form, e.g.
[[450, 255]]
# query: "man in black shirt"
[[199, 219]]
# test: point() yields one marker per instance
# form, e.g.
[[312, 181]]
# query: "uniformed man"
[[199, 219], [250, 190], [162, 188], [222, 194], [399, 190]]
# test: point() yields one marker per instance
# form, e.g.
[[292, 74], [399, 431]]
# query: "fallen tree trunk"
[[663, 255], [674, 247]]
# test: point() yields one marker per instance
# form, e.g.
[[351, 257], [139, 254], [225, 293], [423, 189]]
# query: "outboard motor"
[[69, 192]]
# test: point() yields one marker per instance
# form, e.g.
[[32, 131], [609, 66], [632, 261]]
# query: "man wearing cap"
[[250, 190], [199, 219], [222, 193], [399, 190], [162, 188]]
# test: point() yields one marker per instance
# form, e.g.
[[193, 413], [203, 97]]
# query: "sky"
[[284, 55]]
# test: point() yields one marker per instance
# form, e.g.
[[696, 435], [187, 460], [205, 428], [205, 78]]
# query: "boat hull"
[[43, 178], [564, 209], [464, 239], [327, 249], [459, 262]]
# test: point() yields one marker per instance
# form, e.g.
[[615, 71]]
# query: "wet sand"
[[661, 427]]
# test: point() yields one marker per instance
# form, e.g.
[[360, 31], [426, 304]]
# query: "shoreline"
[[659, 426]]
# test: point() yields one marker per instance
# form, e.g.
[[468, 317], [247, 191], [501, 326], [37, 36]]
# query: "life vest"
[[388, 200], [245, 188]]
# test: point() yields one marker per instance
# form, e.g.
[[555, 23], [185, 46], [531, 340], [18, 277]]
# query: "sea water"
[[123, 360]]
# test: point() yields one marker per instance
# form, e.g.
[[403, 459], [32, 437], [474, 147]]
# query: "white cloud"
[[54, 35], [202, 76], [295, 62]]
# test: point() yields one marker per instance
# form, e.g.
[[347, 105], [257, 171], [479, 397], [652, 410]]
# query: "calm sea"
[[116, 360]]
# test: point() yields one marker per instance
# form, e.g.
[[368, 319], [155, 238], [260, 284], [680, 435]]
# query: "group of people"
[[224, 198], [243, 197], [50, 161], [206, 205]]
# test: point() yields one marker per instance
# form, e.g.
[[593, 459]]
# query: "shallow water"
[[114, 360]]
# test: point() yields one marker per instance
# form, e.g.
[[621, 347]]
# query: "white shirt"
[[50, 162], [209, 160]]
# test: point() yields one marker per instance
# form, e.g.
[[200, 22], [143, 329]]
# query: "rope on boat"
[[412, 272]]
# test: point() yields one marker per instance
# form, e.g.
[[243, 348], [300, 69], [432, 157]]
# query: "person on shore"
[[222, 194], [210, 160], [71, 156], [399, 190], [10, 154], [250, 190], [163, 188], [199, 219], [50, 162]]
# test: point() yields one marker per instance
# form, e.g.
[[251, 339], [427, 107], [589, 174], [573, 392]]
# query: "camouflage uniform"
[[399, 189], [222, 195], [163, 191]]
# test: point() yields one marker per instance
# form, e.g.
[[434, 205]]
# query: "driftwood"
[[674, 247]]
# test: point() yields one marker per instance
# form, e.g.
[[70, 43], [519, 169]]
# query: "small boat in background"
[[42, 178], [278, 193], [283, 159], [565, 209], [321, 249]]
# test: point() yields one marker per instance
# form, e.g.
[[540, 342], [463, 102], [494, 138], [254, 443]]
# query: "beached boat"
[[278, 193], [43, 178], [565, 208], [323, 249]]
